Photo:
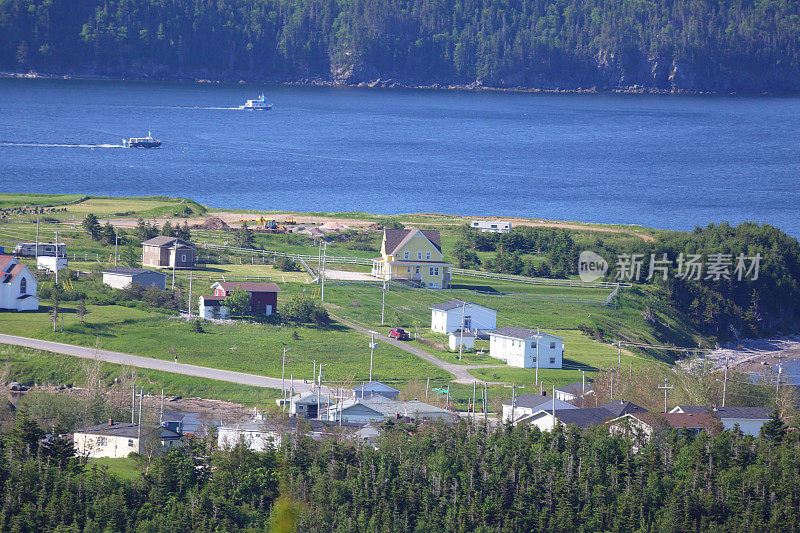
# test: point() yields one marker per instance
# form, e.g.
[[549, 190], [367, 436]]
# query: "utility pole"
[[383, 303], [190, 294], [612, 383], [37, 241], [283, 372], [133, 403], [116, 256], [619, 358], [724, 382], [324, 245], [427, 385], [447, 405], [461, 334], [555, 420], [538, 340], [513, 388], [485, 402], [666, 389], [474, 397], [56, 265], [173, 276], [583, 386], [372, 356], [778, 378], [141, 400], [161, 417]]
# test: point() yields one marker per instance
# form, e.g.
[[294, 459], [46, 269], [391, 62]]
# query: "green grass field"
[[125, 468], [245, 347]]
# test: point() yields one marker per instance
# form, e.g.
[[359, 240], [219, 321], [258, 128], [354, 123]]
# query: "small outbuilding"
[[449, 316], [465, 338], [123, 277], [263, 296], [211, 307], [168, 252]]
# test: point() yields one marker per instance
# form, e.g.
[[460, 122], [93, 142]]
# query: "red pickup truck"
[[399, 334]]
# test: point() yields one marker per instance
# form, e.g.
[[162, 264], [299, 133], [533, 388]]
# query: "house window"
[[408, 269], [405, 255], [533, 344], [428, 256], [183, 258], [552, 360], [23, 285], [552, 346], [102, 441], [417, 270], [419, 255], [130, 443]]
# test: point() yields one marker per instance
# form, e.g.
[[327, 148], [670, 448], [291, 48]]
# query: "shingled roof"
[[163, 240], [249, 286], [395, 238]]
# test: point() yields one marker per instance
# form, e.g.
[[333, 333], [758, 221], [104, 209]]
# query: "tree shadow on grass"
[[571, 364], [480, 288]]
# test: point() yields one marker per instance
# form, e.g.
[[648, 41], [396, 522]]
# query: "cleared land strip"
[[152, 364], [461, 372]]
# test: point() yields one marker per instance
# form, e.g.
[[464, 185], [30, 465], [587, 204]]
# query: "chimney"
[[110, 422]]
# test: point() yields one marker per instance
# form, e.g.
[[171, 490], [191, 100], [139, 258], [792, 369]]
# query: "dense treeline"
[[462, 478], [753, 301], [695, 45]]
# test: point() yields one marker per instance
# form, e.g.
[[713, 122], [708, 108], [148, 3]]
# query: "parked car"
[[399, 334]]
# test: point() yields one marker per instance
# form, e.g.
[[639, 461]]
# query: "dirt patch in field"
[[213, 224]]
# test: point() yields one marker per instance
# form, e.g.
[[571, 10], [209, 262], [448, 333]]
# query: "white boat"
[[259, 104], [142, 142]]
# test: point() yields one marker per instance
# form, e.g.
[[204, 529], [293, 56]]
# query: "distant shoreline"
[[383, 84]]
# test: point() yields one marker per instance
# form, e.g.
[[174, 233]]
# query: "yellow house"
[[412, 255]]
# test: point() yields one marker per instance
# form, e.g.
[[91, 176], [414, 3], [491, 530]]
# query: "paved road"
[[460, 372], [153, 364]]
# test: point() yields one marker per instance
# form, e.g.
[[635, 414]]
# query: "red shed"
[[263, 296]]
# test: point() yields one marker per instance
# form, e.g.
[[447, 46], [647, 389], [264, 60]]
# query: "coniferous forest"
[[664, 45], [458, 478]]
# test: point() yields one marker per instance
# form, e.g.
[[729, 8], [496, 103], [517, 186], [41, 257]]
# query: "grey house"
[[121, 277], [168, 252]]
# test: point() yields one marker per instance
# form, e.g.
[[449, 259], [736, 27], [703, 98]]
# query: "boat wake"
[[53, 145]]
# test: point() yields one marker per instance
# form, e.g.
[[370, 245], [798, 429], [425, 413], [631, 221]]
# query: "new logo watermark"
[[591, 266]]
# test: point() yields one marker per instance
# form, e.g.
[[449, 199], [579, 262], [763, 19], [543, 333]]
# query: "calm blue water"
[[662, 161]]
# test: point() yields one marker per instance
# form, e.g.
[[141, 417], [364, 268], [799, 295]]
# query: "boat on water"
[[142, 142], [259, 104]]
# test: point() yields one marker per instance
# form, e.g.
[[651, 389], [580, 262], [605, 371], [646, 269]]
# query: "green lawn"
[[246, 347], [31, 367], [126, 468], [19, 200]]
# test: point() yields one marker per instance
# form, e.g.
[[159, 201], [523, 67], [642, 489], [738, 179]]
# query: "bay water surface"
[[669, 162]]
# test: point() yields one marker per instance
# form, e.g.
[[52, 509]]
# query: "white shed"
[[447, 317], [122, 277], [519, 347], [211, 307], [257, 435], [466, 338]]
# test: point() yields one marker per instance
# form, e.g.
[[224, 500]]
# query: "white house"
[[375, 388], [17, 286], [465, 338], [519, 347], [583, 418], [574, 391], [447, 317], [749, 419], [118, 439], [491, 226], [309, 404], [527, 404], [257, 435], [122, 277]]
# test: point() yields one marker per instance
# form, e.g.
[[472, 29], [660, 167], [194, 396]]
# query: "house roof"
[[690, 409], [520, 333], [457, 333], [163, 240], [575, 389], [747, 413], [249, 286], [123, 429], [130, 271], [5, 260], [212, 300], [395, 238], [677, 420], [591, 416], [10, 268], [533, 401], [375, 386], [620, 407], [392, 407], [456, 304]]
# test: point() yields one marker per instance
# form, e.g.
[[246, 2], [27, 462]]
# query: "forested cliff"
[[665, 45]]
